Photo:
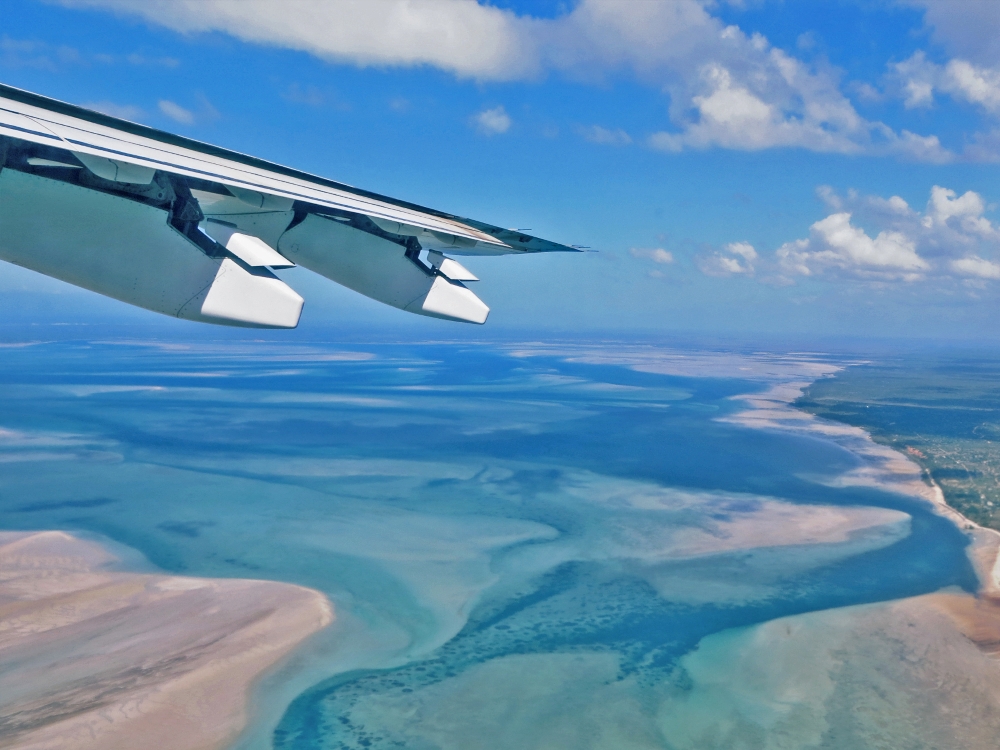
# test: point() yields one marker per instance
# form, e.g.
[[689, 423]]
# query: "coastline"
[[976, 617], [883, 467], [94, 657]]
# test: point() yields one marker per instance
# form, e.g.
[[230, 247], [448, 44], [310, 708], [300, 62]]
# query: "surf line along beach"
[[93, 657]]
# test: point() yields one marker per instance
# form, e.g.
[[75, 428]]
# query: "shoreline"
[[95, 657], [885, 467], [975, 616]]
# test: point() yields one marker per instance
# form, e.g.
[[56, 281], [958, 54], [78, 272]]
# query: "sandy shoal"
[[775, 523], [91, 657]]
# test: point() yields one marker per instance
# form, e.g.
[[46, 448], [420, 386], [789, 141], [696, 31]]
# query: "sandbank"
[[775, 523], [93, 657]]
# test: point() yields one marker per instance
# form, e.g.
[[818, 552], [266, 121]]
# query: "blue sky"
[[743, 168]]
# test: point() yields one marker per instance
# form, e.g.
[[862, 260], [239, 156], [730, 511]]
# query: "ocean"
[[526, 544]]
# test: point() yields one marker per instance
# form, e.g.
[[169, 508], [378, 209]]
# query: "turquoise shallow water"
[[494, 531]]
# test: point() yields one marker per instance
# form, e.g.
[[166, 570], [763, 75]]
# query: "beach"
[[95, 657]]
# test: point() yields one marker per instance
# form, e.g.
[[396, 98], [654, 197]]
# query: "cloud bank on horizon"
[[891, 136]]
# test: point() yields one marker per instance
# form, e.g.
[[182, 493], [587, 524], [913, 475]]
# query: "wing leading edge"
[[86, 198]]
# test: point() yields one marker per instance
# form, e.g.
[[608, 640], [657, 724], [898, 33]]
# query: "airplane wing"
[[193, 230]]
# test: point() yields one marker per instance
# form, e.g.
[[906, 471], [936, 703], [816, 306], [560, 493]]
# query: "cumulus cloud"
[[962, 214], [788, 108], [727, 88], [735, 259], [743, 249], [834, 242], [657, 255], [950, 236], [973, 265], [492, 121], [975, 84], [918, 79]]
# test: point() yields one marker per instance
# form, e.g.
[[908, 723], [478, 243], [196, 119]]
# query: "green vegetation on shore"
[[943, 412]]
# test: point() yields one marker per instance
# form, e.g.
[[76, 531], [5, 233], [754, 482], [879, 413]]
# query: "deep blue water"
[[418, 475]]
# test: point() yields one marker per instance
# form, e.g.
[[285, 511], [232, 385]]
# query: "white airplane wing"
[[192, 230]]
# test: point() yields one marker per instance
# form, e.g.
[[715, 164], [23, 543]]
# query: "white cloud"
[[727, 88], [976, 266], [951, 236], [736, 258], [597, 134], [918, 93], [728, 115], [918, 147], [918, 79], [777, 103], [657, 255], [176, 112], [965, 212], [743, 249], [492, 121], [768, 99], [834, 242], [460, 36], [974, 84]]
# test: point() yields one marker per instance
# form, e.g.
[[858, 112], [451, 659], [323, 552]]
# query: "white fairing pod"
[[251, 250], [446, 299], [125, 249], [254, 298], [379, 269]]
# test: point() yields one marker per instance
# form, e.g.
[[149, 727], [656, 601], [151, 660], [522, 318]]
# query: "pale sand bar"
[[95, 658]]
